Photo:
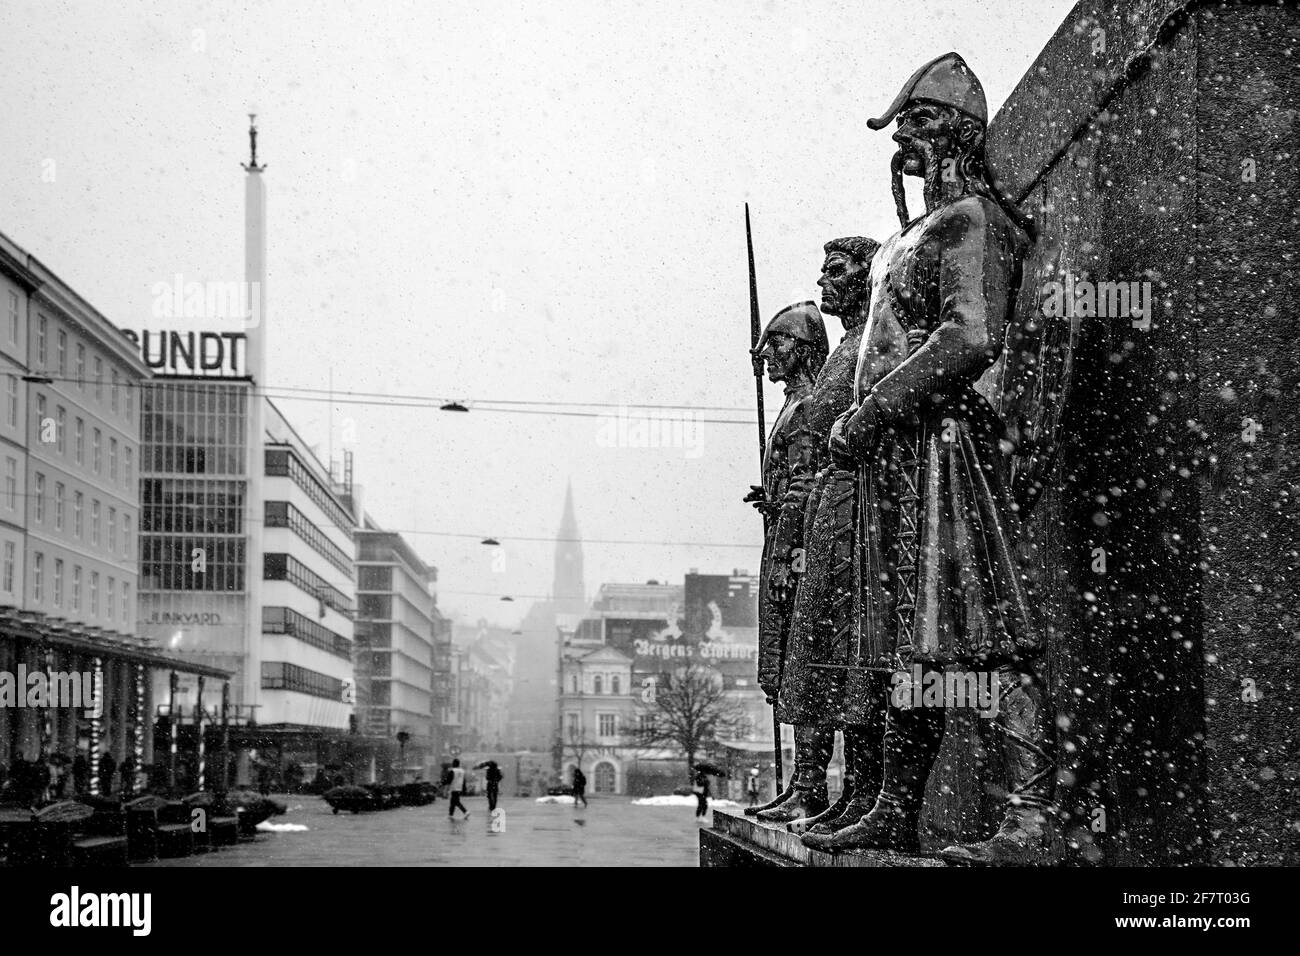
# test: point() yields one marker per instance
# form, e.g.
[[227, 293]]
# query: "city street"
[[611, 832]]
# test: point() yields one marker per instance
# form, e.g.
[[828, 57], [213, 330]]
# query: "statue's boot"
[[803, 824], [863, 759], [1027, 836], [912, 739], [781, 798], [813, 744]]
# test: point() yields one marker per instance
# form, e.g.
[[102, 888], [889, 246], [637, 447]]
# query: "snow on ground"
[[676, 801], [268, 827], [566, 800]]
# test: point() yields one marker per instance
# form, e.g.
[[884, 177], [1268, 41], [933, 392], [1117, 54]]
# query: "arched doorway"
[[606, 778]]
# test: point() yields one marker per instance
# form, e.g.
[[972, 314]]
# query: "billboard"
[[715, 625]]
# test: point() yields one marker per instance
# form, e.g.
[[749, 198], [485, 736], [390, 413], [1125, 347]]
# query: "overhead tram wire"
[[380, 399], [546, 539]]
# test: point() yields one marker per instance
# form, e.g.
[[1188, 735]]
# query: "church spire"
[[569, 584]]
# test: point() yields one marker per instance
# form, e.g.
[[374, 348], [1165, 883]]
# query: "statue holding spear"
[[793, 348]]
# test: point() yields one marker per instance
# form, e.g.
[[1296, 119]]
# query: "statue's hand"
[[756, 497], [839, 446], [862, 428], [781, 582], [770, 685]]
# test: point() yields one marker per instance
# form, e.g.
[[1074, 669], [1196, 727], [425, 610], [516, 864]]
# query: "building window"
[[597, 684], [284, 620], [126, 536], [58, 506], [99, 379], [77, 500], [13, 318], [61, 351], [285, 567], [373, 579], [10, 550], [277, 675], [94, 522], [375, 606], [58, 582], [574, 683], [40, 413], [128, 465], [42, 353], [113, 398], [11, 483], [109, 593], [111, 544], [607, 725], [76, 587], [11, 400], [94, 593], [60, 425], [40, 498], [112, 459], [167, 563], [96, 451], [281, 514], [285, 464], [126, 602], [614, 686], [574, 727], [38, 576], [81, 366], [79, 442], [193, 429]]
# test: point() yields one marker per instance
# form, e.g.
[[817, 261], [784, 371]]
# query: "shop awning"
[[40, 630]]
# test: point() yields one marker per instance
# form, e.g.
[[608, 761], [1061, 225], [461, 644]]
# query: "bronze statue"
[[940, 584], [794, 347], [823, 606]]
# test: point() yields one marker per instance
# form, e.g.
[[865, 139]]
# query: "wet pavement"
[[610, 832]]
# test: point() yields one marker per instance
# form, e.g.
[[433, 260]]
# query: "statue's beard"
[[896, 184], [932, 173]]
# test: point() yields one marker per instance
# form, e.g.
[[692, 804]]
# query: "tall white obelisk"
[[255, 369]]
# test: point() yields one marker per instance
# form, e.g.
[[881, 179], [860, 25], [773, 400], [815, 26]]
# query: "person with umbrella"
[[701, 788], [493, 777]]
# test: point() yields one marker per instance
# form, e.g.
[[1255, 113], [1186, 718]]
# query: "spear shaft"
[[755, 329]]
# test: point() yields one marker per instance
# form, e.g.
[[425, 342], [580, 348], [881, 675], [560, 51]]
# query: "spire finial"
[[251, 166]]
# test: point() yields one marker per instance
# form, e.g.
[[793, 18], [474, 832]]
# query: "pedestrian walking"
[[701, 791], [457, 785], [751, 787], [494, 777], [579, 787]]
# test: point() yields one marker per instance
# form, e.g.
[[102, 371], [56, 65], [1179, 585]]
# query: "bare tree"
[[578, 745], [690, 711]]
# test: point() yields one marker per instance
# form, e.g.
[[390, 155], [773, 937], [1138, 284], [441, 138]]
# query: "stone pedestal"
[[738, 840]]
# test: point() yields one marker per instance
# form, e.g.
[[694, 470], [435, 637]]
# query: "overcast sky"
[[487, 201]]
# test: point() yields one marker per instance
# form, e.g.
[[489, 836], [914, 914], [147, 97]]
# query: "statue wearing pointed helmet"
[[941, 584]]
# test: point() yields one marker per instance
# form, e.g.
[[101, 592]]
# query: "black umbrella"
[[485, 764], [710, 768]]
